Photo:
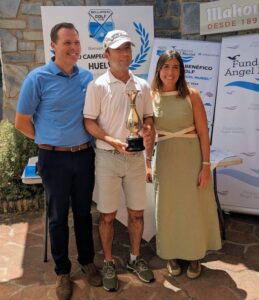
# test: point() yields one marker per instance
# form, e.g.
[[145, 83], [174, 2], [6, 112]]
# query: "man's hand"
[[95, 130], [120, 146]]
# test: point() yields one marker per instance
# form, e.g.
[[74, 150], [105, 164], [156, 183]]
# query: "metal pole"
[[220, 213]]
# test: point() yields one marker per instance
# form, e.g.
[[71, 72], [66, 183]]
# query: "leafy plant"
[[15, 150]]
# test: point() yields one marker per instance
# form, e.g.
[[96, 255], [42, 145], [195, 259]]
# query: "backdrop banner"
[[201, 61], [93, 23], [236, 126]]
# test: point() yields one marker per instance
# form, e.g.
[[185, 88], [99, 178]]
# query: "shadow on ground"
[[231, 273]]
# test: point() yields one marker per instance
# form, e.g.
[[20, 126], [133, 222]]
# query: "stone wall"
[[21, 47]]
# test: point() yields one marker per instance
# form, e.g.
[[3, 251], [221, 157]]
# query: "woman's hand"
[[148, 134], [204, 176], [149, 178]]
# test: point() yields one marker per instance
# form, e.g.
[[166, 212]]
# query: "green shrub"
[[15, 150]]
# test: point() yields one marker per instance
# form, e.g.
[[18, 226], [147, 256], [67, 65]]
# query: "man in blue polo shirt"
[[50, 111]]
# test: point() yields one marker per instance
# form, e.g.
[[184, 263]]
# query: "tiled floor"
[[231, 273]]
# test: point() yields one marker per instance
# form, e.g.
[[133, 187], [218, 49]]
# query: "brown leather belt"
[[60, 148]]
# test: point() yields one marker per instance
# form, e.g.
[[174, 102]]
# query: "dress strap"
[[188, 98], [181, 133]]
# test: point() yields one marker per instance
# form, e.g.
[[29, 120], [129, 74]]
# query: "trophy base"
[[135, 144]]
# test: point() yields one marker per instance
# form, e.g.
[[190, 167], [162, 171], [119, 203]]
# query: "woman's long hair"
[[181, 84]]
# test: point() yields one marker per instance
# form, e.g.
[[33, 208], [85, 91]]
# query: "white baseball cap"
[[115, 38]]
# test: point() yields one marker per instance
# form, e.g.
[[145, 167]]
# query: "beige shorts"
[[115, 173]]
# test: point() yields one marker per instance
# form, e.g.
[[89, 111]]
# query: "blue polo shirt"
[[56, 101]]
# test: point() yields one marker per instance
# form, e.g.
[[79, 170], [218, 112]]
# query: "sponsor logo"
[[209, 94], [234, 11], [230, 107], [141, 57], [223, 193], [100, 23], [242, 68], [247, 195], [249, 154], [232, 130], [233, 57], [234, 47], [244, 85], [241, 176]]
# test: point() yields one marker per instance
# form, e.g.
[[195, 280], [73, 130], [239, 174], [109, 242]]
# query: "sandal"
[[173, 267], [194, 272]]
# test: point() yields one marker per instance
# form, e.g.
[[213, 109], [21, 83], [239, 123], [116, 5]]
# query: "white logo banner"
[[236, 126], [93, 23], [201, 61]]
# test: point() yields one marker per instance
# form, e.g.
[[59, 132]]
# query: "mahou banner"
[[93, 23], [231, 15], [236, 125]]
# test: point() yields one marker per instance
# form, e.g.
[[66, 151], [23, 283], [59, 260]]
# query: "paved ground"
[[231, 273]]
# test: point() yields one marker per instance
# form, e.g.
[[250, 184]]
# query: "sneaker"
[[173, 267], [110, 279], [64, 287], [92, 275], [140, 267], [194, 272]]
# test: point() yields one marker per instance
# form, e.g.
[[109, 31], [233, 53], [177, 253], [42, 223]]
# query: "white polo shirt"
[[107, 102]]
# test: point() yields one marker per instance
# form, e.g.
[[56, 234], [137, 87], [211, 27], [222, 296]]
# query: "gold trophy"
[[133, 124]]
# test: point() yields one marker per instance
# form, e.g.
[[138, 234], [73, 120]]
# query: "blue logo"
[[100, 23], [145, 46], [187, 59], [241, 176], [160, 52], [245, 85]]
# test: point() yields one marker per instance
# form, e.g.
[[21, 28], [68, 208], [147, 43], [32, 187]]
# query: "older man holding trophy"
[[118, 113]]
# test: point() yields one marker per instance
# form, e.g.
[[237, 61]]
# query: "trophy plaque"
[[133, 124]]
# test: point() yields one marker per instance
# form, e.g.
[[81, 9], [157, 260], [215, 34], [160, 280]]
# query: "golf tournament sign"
[[100, 23], [93, 23]]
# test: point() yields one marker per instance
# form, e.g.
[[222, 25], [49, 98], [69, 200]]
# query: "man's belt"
[[60, 148]]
